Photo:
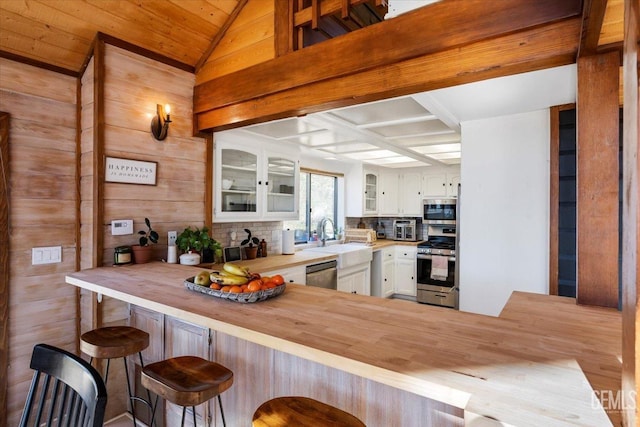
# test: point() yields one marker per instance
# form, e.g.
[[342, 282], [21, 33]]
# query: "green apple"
[[202, 278]]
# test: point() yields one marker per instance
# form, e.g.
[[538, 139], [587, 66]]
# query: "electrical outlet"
[[47, 255], [172, 236]]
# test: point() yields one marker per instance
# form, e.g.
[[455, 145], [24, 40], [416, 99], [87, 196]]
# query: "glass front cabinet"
[[254, 183]]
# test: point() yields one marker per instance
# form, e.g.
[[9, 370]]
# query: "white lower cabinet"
[[291, 275], [355, 280], [388, 272], [170, 337], [405, 271]]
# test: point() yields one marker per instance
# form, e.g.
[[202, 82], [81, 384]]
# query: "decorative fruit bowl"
[[243, 297], [236, 283]]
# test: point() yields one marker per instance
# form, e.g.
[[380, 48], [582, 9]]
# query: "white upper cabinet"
[[441, 184], [410, 194], [389, 193], [400, 193], [254, 183], [371, 183]]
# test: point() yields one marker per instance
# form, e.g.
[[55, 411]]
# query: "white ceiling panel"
[[425, 127], [382, 111], [320, 138], [438, 148], [349, 148], [280, 129]]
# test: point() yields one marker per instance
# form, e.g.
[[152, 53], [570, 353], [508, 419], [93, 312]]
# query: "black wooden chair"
[[65, 391]]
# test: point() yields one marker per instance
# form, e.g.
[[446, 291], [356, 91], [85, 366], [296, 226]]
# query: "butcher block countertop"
[[530, 367], [276, 262]]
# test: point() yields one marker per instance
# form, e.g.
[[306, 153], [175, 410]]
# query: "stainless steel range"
[[436, 270]]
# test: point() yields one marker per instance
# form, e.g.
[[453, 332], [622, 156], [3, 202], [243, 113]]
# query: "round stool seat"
[[113, 341], [186, 380], [301, 412]]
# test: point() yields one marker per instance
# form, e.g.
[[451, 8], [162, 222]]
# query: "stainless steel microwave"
[[439, 211]]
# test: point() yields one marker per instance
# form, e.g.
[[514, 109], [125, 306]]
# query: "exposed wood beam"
[[541, 47], [355, 52], [592, 19], [220, 34]]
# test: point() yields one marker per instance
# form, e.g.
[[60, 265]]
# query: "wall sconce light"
[[160, 123]]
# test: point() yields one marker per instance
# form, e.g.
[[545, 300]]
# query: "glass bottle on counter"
[[263, 248]]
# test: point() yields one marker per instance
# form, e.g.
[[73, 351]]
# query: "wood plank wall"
[[116, 113], [248, 41], [42, 149], [134, 85]]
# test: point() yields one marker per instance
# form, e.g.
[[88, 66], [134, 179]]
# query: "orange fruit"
[[277, 279], [215, 286], [225, 288], [235, 289], [254, 285]]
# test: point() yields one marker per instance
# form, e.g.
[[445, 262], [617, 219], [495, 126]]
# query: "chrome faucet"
[[322, 233]]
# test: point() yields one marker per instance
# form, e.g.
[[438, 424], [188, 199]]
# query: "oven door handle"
[[427, 256]]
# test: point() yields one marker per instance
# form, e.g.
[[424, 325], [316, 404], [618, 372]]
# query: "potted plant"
[[250, 251], [143, 252], [198, 240]]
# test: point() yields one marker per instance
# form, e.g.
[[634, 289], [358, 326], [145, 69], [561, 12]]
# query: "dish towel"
[[439, 267]]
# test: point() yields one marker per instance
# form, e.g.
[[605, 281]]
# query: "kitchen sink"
[[349, 254]]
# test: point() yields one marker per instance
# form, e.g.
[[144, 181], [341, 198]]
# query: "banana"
[[228, 279], [235, 269]]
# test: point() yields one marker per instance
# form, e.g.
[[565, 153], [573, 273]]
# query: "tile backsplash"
[[271, 232]]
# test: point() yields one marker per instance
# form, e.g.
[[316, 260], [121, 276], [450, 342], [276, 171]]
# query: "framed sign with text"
[[130, 171]]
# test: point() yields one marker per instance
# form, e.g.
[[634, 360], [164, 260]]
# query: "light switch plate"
[[121, 227], [46, 255]]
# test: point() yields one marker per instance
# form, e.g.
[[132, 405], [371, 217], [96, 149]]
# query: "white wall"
[[504, 215]]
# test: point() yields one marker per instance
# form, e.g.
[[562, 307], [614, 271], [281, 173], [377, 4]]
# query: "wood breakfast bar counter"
[[393, 362]]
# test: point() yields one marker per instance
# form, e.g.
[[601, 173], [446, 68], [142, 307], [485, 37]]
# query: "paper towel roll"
[[288, 242], [172, 254]]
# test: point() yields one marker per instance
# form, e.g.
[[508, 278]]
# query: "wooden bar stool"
[[187, 381], [301, 412], [113, 342]]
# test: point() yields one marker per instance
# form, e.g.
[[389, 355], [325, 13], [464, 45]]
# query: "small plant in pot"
[[198, 240], [143, 252], [250, 251]]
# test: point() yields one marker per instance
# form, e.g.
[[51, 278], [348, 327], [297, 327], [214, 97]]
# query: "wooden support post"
[[631, 220], [598, 179]]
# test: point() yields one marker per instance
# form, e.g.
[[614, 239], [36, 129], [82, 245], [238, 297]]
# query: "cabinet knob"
[[266, 183], [259, 182], [443, 184]]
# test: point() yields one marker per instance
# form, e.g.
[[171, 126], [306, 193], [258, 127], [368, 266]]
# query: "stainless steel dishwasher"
[[323, 275]]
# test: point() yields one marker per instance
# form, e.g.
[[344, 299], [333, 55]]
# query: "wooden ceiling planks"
[[612, 31], [60, 33]]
